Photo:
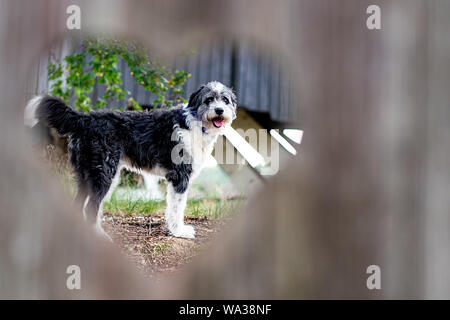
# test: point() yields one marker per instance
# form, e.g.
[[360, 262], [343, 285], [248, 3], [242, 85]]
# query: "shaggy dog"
[[171, 143]]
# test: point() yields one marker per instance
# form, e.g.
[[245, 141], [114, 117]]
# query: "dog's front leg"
[[176, 203]]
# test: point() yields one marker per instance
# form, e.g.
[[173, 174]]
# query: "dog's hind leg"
[[93, 210], [100, 190], [114, 184], [82, 196], [176, 204], [82, 193]]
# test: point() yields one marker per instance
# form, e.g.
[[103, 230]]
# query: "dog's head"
[[215, 105]]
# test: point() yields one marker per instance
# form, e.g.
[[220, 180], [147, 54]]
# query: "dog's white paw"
[[184, 231]]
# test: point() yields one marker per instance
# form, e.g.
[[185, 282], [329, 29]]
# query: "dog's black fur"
[[100, 139]]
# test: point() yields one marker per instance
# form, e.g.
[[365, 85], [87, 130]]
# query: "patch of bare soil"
[[146, 240]]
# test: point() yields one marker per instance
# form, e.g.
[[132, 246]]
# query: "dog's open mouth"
[[217, 122]]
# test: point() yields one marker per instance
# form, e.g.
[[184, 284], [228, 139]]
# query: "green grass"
[[161, 247], [125, 207], [212, 208]]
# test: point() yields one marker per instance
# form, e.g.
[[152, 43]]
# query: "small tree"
[[98, 64]]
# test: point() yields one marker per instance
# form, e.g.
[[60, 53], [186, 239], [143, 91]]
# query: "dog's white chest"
[[198, 145]]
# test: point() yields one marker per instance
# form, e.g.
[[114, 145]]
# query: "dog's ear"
[[195, 99], [233, 98]]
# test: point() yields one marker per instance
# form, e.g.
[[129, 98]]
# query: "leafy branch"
[[97, 63]]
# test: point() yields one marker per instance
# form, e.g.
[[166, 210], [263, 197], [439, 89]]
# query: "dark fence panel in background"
[[257, 76]]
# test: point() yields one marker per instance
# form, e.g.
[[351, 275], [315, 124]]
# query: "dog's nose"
[[219, 111]]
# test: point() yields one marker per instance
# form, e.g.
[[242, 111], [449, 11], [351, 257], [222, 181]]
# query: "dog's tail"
[[54, 113]]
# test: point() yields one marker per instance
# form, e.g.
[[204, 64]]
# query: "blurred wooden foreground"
[[370, 185]]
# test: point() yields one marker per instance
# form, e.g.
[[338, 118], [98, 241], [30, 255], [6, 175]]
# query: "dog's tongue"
[[218, 122]]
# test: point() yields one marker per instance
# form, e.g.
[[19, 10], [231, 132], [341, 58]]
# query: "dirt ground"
[[156, 252]]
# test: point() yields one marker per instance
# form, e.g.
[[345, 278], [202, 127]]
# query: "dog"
[[168, 142]]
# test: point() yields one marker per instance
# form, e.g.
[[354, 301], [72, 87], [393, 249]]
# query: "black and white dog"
[[172, 143]]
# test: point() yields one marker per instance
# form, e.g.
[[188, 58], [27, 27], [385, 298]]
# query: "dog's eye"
[[209, 100], [225, 99]]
